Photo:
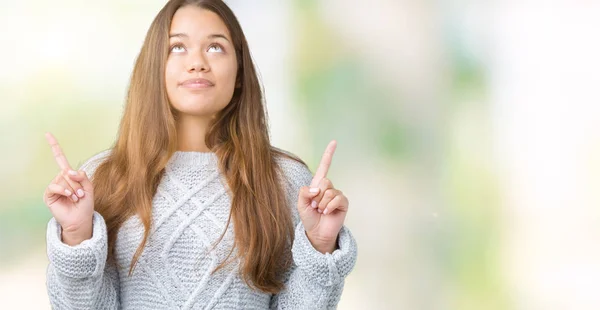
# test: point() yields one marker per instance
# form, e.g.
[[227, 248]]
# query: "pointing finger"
[[58, 153], [325, 163]]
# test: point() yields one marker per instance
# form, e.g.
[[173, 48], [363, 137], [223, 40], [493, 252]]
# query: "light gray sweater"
[[190, 211]]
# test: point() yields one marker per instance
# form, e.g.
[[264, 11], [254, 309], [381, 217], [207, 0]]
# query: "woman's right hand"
[[70, 198]]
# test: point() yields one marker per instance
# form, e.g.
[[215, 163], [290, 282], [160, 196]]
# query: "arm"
[[315, 280], [78, 276]]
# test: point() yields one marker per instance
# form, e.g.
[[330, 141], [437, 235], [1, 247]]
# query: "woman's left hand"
[[322, 208]]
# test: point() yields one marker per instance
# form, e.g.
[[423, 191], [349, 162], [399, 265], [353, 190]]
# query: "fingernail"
[[72, 172], [74, 198], [325, 212], [314, 190], [314, 204], [68, 192], [80, 192], [320, 211]]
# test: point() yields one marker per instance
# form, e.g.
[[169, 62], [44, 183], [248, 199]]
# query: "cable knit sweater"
[[189, 213]]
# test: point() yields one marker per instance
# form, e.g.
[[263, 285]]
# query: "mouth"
[[196, 83]]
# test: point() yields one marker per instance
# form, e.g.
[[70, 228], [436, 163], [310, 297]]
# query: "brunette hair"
[[126, 181]]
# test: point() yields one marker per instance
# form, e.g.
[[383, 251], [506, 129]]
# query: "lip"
[[196, 83]]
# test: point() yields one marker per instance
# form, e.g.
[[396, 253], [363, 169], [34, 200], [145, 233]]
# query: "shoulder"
[[90, 165], [294, 172]]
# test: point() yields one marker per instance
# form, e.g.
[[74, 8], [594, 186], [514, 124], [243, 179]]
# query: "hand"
[[322, 208], [70, 198]]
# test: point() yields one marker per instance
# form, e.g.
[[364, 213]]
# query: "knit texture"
[[189, 214]]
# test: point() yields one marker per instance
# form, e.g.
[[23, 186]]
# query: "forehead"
[[197, 22]]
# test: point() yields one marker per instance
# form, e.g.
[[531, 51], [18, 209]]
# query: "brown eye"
[[177, 48], [216, 46]]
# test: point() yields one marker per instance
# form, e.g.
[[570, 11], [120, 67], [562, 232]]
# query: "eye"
[[177, 48], [216, 46]]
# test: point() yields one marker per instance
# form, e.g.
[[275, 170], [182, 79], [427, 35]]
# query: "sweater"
[[189, 213]]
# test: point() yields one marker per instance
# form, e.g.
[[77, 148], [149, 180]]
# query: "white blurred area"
[[542, 64], [545, 78]]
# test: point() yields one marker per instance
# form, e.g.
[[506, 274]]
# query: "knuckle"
[[72, 184], [66, 185], [329, 194]]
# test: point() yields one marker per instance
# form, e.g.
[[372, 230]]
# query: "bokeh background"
[[468, 135]]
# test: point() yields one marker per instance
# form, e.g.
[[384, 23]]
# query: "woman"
[[192, 206]]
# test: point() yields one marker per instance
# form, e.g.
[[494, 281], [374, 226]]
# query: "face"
[[201, 67]]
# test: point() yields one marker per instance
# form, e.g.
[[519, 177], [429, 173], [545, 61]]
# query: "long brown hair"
[[127, 180]]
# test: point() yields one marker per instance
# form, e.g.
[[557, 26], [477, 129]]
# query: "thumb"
[[83, 179], [306, 195]]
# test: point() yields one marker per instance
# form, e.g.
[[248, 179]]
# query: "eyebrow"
[[211, 36]]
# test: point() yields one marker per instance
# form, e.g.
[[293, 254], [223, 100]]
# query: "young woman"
[[192, 207]]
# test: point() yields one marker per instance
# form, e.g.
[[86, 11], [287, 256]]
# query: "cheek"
[[228, 76], [170, 74], [171, 79]]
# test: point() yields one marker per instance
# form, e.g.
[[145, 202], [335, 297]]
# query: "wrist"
[[75, 237], [323, 245]]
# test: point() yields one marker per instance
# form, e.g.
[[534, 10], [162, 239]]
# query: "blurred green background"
[[468, 135]]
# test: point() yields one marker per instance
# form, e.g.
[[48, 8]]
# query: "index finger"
[[62, 161], [325, 163]]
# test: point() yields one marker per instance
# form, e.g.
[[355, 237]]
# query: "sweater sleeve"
[[78, 276], [315, 280]]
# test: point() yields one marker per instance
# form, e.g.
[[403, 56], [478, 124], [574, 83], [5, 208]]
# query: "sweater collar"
[[190, 158]]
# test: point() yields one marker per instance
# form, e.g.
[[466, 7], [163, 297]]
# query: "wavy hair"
[[126, 181]]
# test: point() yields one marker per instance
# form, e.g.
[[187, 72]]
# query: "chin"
[[196, 112], [197, 105], [198, 109]]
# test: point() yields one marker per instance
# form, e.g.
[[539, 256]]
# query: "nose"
[[198, 63]]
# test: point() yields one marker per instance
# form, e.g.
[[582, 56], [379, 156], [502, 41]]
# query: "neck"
[[191, 132]]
